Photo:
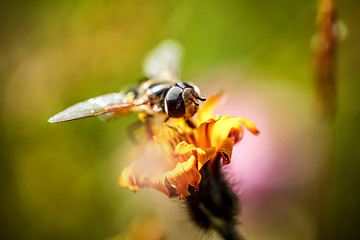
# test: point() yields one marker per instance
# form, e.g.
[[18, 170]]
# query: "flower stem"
[[214, 205], [325, 85]]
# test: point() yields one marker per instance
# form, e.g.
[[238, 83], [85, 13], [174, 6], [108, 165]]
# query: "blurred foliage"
[[59, 181]]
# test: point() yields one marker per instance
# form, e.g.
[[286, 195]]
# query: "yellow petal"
[[226, 150], [206, 110], [183, 175], [204, 133], [131, 179], [184, 148], [219, 131], [158, 182], [228, 126], [203, 156], [127, 179], [250, 126]]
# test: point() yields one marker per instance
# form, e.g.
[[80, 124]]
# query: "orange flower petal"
[[204, 133], [132, 179], [250, 126], [226, 150], [158, 182], [127, 179], [183, 175], [206, 110], [221, 129], [203, 156], [184, 148]]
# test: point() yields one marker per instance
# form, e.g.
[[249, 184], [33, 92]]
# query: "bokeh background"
[[59, 181]]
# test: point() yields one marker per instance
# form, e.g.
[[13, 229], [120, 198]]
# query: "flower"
[[172, 160]]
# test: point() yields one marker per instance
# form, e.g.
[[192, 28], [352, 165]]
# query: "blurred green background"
[[59, 181]]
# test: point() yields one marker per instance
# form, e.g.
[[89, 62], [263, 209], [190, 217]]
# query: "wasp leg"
[[146, 120], [130, 131], [168, 125], [166, 119], [190, 123]]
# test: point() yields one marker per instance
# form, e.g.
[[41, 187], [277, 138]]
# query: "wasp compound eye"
[[174, 103]]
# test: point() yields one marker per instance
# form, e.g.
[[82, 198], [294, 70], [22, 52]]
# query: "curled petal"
[[201, 155], [183, 175], [226, 150], [179, 178], [215, 131], [159, 182], [219, 129], [184, 148], [250, 126], [204, 132], [127, 179]]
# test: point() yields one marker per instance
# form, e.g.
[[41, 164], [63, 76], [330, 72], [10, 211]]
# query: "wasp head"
[[180, 100]]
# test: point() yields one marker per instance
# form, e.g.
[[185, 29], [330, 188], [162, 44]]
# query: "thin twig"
[[324, 46]]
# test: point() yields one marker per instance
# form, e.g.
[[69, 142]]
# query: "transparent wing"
[[164, 61], [113, 102]]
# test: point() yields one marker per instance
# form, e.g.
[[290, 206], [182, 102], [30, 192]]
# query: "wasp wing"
[[109, 103], [164, 61]]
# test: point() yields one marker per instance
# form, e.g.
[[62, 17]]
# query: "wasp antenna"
[[201, 98], [195, 102]]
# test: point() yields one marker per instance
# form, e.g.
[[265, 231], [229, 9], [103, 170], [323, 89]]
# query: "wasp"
[[162, 94]]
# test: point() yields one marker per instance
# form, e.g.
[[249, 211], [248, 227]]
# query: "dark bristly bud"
[[214, 205]]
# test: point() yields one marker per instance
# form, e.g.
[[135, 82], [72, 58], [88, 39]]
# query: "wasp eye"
[[174, 103]]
